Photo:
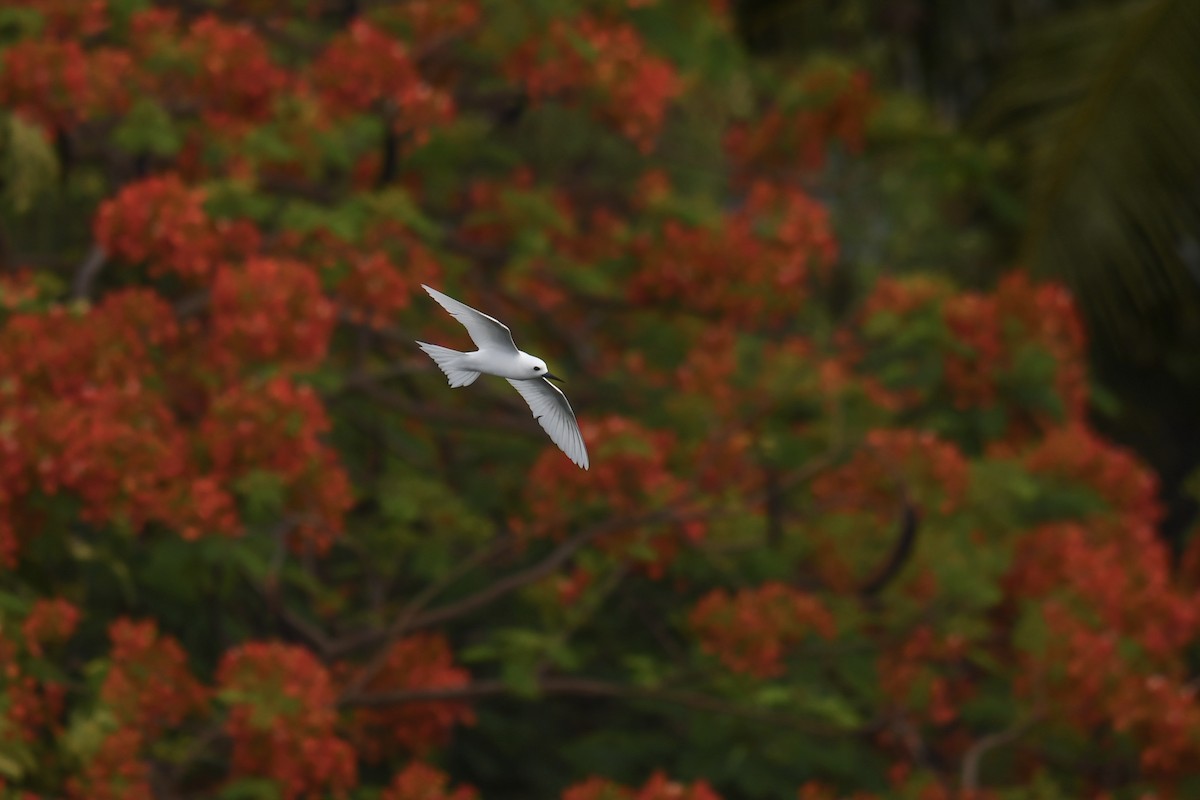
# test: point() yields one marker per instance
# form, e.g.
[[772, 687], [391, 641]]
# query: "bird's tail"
[[450, 362]]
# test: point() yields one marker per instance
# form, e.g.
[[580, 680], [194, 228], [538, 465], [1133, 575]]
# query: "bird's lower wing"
[[487, 332], [552, 411]]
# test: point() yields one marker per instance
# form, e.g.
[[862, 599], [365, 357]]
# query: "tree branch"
[[590, 687], [971, 761], [404, 619], [411, 618], [88, 271], [901, 551], [544, 568]]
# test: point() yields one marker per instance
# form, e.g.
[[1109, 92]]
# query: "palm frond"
[[1106, 106]]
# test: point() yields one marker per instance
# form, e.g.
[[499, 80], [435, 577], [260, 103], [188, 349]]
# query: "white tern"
[[498, 355]]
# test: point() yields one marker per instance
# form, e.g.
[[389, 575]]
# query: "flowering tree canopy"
[[847, 531]]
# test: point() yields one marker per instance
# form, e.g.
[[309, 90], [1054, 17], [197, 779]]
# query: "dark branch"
[[970, 764], [589, 687], [899, 556], [89, 270], [544, 568]]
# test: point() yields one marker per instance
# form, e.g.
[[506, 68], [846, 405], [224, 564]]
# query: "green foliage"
[[28, 166], [1105, 100], [847, 525]]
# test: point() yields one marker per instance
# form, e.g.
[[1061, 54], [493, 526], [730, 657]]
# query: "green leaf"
[[87, 730], [251, 789], [16, 759], [148, 128], [263, 493], [521, 676], [14, 604], [832, 708], [28, 166], [19, 23]]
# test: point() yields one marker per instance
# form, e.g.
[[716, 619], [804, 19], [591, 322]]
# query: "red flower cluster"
[[1047, 314], [831, 103], [419, 781], [1087, 680], [69, 19], [269, 311], [863, 498], [433, 21], [374, 278], [904, 296], [924, 675], [752, 630], [116, 770], [752, 268], [282, 718], [422, 661], [59, 85], [80, 414], [148, 686], [276, 427], [1076, 455], [374, 289], [895, 463], [221, 70], [161, 222], [31, 705], [630, 472], [48, 621], [148, 689], [1021, 335], [659, 787], [989, 332], [609, 65], [365, 69]]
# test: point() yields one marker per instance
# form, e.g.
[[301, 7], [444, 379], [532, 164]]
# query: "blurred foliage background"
[[737, 593], [1076, 123]]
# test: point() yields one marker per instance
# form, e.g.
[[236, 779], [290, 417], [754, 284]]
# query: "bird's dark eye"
[[537, 369]]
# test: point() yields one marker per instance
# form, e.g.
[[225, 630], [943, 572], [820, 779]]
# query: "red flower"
[[422, 661], [276, 428], [282, 719], [834, 104], [270, 311], [419, 781], [148, 686], [59, 85], [751, 631], [630, 472], [48, 621], [364, 69], [752, 268], [659, 787], [609, 64], [67, 19], [161, 222], [115, 771]]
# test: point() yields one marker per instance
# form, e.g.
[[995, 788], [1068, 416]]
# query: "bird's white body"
[[504, 365], [498, 355]]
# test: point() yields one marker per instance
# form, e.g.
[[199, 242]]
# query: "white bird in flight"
[[498, 355]]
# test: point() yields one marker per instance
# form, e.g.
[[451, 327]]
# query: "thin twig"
[[590, 687], [544, 568], [88, 271], [404, 619], [483, 597], [971, 761]]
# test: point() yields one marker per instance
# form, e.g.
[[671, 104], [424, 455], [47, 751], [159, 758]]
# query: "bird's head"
[[538, 369]]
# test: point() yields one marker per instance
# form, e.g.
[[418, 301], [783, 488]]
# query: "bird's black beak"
[[553, 377]]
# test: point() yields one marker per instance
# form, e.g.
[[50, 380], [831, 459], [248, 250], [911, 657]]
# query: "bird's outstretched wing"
[[488, 333], [551, 409]]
